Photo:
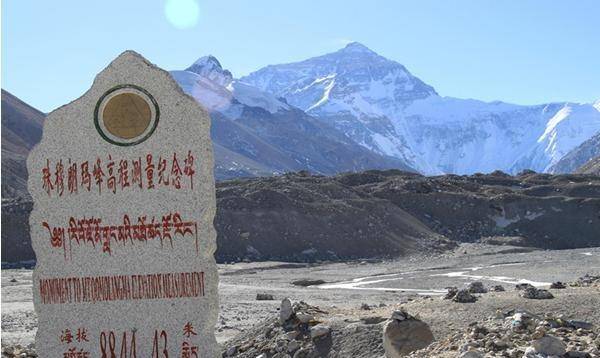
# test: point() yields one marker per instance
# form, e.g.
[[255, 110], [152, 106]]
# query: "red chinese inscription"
[[110, 175]]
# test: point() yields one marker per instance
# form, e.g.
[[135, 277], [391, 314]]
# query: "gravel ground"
[[417, 283]]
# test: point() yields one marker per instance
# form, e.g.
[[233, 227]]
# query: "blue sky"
[[520, 51]]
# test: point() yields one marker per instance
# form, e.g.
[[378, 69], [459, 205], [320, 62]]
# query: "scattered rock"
[[523, 286], [578, 354], [372, 320], [517, 334], [404, 333], [264, 297], [285, 310], [304, 317], [522, 322], [476, 287], [319, 331], [451, 293], [307, 282], [536, 294], [464, 296], [18, 351], [549, 345], [472, 354], [580, 324], [498, 288], [231, 351], [365, 307], [293, 346], [587, 281]]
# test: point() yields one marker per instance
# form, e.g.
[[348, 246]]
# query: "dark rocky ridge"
[[21, 130], [379, 214], [579, 156], [591, 167]]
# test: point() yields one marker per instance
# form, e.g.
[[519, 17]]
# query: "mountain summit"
[[378, 103], [354, 80], [357, 47], [209, 67]]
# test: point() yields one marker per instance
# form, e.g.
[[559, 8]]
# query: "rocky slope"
[[303, 217], [591, 167], [21, 130], [381, 105], [581, 155]]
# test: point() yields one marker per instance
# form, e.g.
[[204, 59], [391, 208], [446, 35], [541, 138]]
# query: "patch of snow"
[[502, 279]]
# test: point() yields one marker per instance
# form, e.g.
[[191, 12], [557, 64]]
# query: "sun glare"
[[182, 14]]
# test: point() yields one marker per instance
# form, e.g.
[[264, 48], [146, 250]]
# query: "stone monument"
[[122, 223]]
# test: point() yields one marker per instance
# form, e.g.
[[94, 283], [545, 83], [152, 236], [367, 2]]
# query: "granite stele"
[[122, 223]]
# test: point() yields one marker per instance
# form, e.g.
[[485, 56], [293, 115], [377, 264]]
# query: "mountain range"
[[257, 134], [383, 107], [348, 111]]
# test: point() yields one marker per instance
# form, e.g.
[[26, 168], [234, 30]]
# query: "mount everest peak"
[[378, 103], [353, 80]]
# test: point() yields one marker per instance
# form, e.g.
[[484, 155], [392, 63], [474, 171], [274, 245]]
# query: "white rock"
[[403, 337], [285, 310], [319, 331]]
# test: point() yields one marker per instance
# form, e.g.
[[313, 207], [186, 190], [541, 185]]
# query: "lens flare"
[[182, 14]]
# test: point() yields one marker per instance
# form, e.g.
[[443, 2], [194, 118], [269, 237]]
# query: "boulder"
[[305, 282], [304, 317], [536, 294], [464, 296], [402, 336], [319, 331], [264, 297], [523, 286], [285, 310], [476, 287], [580, 324], [558, 285], [451, 293], [231, 351], [549, 345]]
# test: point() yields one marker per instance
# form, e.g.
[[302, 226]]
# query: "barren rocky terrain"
[[300, 217], [359, 296]]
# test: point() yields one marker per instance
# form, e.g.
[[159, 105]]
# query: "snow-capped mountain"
[[255, 133], [578, 157], [217, 90], [381, 105]]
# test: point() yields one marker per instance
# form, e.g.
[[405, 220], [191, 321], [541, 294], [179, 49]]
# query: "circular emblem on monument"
[[126, 115]]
